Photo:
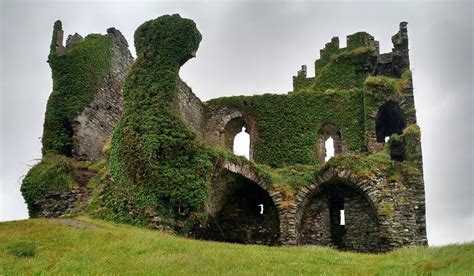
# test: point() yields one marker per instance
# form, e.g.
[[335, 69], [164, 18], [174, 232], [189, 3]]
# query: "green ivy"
[[288, 124], [77, 75], [346, 70], [157, 166], [54, 172]]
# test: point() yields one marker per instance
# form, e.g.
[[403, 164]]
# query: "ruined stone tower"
[[171, 164]]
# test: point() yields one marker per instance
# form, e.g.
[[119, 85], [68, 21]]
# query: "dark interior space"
[[241, 219], [321, 222], [389, 120]]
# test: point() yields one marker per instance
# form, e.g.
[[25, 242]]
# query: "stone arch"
[[389, 120], [317, 215], [233, 127], [234, 211], [325, 131]]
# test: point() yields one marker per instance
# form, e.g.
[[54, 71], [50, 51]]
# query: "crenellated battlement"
[[389, 64]]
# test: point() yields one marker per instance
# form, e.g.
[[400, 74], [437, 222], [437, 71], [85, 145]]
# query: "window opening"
[[242, 144], [329, 145]]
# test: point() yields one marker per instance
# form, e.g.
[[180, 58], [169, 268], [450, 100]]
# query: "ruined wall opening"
[[247, 215], [340, 215], [329, 148], [389, 120], [233, 128], [397, 151], [329, 142], [241, 144]]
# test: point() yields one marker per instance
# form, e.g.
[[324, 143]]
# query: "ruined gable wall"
[[94, 126]]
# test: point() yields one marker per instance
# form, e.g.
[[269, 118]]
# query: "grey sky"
[[253, 47]]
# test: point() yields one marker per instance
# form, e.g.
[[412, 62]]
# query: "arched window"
[[329, 142], [237, 137], [242, 143], [389, 120]]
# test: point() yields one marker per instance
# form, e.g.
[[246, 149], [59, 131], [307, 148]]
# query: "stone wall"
[[94, 126], [321, 220], [56, 204], [236, 215], [190, 108], [215, 125], [395, 208], [380, 214]]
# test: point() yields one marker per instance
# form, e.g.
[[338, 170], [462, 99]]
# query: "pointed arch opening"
[[339, 214], [389, 120], [241, 212]]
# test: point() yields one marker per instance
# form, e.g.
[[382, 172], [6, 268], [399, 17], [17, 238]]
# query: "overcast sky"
[[254, 47]]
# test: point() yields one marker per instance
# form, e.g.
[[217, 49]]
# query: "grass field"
[[49, 246]]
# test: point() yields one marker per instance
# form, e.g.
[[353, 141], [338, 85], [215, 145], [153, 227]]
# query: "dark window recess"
[[397, 151], [389, 120]]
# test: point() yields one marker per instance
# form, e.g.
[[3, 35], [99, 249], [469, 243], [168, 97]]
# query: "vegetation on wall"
[[346, 70], [159, 171], [158, 174], [77, 74], [54, 172], [336, 96], [299, 117]]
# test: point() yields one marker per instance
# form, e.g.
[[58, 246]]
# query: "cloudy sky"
[[254, 47]]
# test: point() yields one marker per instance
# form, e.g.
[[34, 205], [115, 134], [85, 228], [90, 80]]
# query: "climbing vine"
[[77, 73], [159, 171]]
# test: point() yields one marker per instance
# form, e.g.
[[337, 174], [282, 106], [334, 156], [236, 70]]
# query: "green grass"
[[119, 249]]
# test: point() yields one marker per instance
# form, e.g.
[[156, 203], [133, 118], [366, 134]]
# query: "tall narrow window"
[[242, 144], [329, 144], [343, 218]]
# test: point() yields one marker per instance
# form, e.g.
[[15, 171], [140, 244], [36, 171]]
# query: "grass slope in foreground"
[[46, 246]]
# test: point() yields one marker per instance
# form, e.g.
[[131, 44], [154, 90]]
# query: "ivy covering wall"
[[288, 124], [77, 74], [158, 168]]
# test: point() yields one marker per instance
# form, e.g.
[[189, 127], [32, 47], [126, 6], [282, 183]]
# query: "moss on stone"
[[291, 178], [345, 70], [157, 166], [54, 172], [77, 75], [300, 113]]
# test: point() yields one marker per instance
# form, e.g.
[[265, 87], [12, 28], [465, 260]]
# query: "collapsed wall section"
[[86, 99], [388, 64], [94, 126]]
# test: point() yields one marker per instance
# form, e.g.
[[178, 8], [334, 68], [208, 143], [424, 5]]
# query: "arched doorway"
[[245, 214], [389, 120], [340, 215]]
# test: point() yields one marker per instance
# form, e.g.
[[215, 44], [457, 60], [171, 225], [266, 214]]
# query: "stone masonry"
[[380, 213], [94, 126]]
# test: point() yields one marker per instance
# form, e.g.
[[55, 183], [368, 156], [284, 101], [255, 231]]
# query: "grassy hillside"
[[92, 246]]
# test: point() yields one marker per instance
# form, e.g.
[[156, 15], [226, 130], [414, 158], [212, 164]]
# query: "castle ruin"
[[369, 197]]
